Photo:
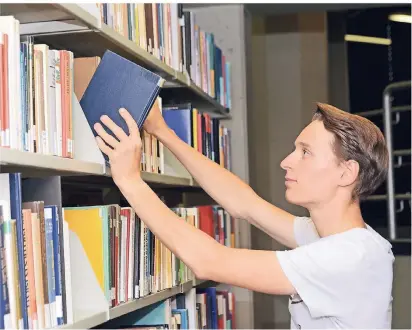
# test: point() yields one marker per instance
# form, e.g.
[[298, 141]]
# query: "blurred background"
[[302, 53]]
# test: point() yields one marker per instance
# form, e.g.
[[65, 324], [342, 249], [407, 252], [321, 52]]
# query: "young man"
[[338, 272]]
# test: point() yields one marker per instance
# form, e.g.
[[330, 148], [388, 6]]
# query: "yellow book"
[[87, 224]]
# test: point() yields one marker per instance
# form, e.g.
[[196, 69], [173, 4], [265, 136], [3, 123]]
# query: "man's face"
[[312, 170]]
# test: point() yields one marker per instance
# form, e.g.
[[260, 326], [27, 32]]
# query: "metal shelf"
[[13, 160], [35, 164], [148, 300], [66, 25], [160, 179], [403, 152], [86, 322], [385, 197], [376, 112], [128, 307]]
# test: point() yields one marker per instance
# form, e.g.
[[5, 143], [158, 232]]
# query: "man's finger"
[[106, 137], [103, 146], [118, 131], [131, 123]]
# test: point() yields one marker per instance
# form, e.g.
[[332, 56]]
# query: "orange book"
[[70, 90], [32, 304], [2, 81]]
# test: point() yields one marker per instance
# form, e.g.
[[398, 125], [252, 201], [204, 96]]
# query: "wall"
[[295, 62], [289, 74], [401, 291]]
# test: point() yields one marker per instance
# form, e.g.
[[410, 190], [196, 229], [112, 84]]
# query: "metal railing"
[[387, 122]]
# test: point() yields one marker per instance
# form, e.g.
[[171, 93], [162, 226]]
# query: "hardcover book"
[[119, 83]]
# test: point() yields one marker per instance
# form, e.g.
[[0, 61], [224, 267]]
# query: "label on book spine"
[[59, 306]]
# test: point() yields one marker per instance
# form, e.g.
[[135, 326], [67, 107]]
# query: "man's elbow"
[[204, 268]]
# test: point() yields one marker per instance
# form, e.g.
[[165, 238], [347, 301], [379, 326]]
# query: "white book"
[[44, 140], [51, 72], [131, 256], [123, 258], [2, 131], [58, 138]]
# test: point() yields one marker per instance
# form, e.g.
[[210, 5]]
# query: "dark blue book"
[[119, 83], [16, 213], [179, 119], [2, 264], [211, 306]]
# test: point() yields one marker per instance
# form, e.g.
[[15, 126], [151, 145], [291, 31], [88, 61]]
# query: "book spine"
[[50, 264]]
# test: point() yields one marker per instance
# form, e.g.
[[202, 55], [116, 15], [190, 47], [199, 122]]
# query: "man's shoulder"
[[357, 247]]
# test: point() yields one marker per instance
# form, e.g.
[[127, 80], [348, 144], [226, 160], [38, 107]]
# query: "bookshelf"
[[72, 27]]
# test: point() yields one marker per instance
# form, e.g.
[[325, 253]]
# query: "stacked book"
[[171, 35], [44, 247]]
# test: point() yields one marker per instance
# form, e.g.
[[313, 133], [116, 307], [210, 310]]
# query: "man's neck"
[[337, 217]]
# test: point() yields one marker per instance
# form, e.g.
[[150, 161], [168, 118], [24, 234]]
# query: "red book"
[[206, 219]]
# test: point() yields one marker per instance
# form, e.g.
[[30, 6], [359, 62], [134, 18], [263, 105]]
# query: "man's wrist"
[[127, 183], [162, 133]]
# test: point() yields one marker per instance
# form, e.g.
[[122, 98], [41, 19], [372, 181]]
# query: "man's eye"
[[305, 152]]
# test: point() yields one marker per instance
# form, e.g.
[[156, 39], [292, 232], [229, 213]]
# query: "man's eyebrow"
[[304, 144]]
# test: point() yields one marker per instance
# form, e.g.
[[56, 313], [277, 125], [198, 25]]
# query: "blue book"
[[2, 264], [16, 213], [50, 264], [212, 306], [119, 83], [184, 317], [57, 263], [179, 119]]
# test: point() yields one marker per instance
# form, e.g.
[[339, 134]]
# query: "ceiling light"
[[368, 40], [403, 18]]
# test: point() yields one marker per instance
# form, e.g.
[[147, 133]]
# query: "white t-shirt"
[[342, 281]]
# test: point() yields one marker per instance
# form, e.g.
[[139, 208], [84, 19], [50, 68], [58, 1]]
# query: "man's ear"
[[350, 172]]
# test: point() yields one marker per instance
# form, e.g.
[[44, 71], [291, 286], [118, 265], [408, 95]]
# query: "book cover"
[[179, 119], [16, 213], [119, 83]]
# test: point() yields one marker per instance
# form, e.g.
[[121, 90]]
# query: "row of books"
[[205, 134], [172, 36], [198, 309], [35, 94], [39, 256], [36, 113]]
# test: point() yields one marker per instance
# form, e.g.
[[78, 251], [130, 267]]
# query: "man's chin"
[[292, 199]]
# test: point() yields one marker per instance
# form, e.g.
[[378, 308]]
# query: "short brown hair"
[[359, 139]]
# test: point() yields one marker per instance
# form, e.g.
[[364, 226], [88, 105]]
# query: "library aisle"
[[74, 254]]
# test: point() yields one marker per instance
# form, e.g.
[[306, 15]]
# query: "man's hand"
[[154, 122], [124, 152]]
